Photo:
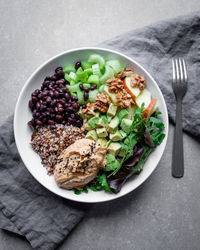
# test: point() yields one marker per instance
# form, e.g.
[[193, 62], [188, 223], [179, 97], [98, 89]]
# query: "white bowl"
[[23, 133]]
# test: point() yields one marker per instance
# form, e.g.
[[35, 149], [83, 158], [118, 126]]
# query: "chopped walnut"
[[125, 73], [115, 85], [102, 102], [89, 109], [124, 99], [138, 81]]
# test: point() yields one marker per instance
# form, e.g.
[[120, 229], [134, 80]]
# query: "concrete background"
[[165, 212]]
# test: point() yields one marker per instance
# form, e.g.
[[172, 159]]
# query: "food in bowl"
[[95, 102]]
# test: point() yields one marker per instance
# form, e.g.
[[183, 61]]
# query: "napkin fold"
[[27, 208]]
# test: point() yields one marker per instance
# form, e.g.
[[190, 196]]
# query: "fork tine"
[[184, 70], [181, 70], [177, 71], [173, 71]]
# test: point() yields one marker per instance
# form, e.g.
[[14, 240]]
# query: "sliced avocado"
[[123, 134], [113, 124], [108, 143], [116, 136], [102, 142], [87, 126], [101, 132], [131, 112], [114, 148], [112, 109], [109, 118], [93, 121], [126, 125], [122, 114], [92, 135]]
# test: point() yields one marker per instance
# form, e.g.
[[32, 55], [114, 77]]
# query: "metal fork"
[[179, 87]]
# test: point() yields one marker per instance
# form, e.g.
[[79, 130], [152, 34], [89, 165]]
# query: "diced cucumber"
[[88, 71], [115, 65], [94, 79], [96, 69], [92, 95], [73, 76], [109, 73], [86, 85], [80, 97], [81, 75], [96, 58], [67, 78], [73, 88], [72, 82], [86, 65], [69, 68]]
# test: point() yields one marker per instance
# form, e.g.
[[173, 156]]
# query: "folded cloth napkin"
[[45, 219]]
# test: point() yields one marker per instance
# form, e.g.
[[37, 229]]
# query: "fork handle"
[[178, 160]]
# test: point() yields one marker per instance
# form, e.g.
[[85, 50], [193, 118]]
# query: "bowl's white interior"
[[23, 133]]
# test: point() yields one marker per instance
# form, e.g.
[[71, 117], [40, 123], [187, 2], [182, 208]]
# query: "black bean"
[[71, 121], [58, 69], [69, 109], [34, 99], [75, 106], [59, 105], [68, 124], [64, 90], [48, 100], [93, 87], [61, 81], [30, 124], [56, 93], [77, 65], [67, 105], [38, 122], [86, 89], [44, 120], [52, 116], [40, 95], [47, 114], [30, 103], [53, 78], [37, 114], [60, 110], [78, 124], [47, 78], [74, 98], [37, 105], [37, 91], [85, 95], [59, 117], [64, 122], [52, 126], [51, 122], [83, 106], [42, 107], [66, 96], [72, 116], [53, 103], [81, 87], [51, 93], [60, 74]]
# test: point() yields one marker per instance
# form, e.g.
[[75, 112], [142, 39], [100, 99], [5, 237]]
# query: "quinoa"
[[49, 143]]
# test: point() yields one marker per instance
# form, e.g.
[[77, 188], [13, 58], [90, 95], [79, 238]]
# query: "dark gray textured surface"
[[164, 212]]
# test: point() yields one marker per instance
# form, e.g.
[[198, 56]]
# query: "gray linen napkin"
[[45, 219]]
